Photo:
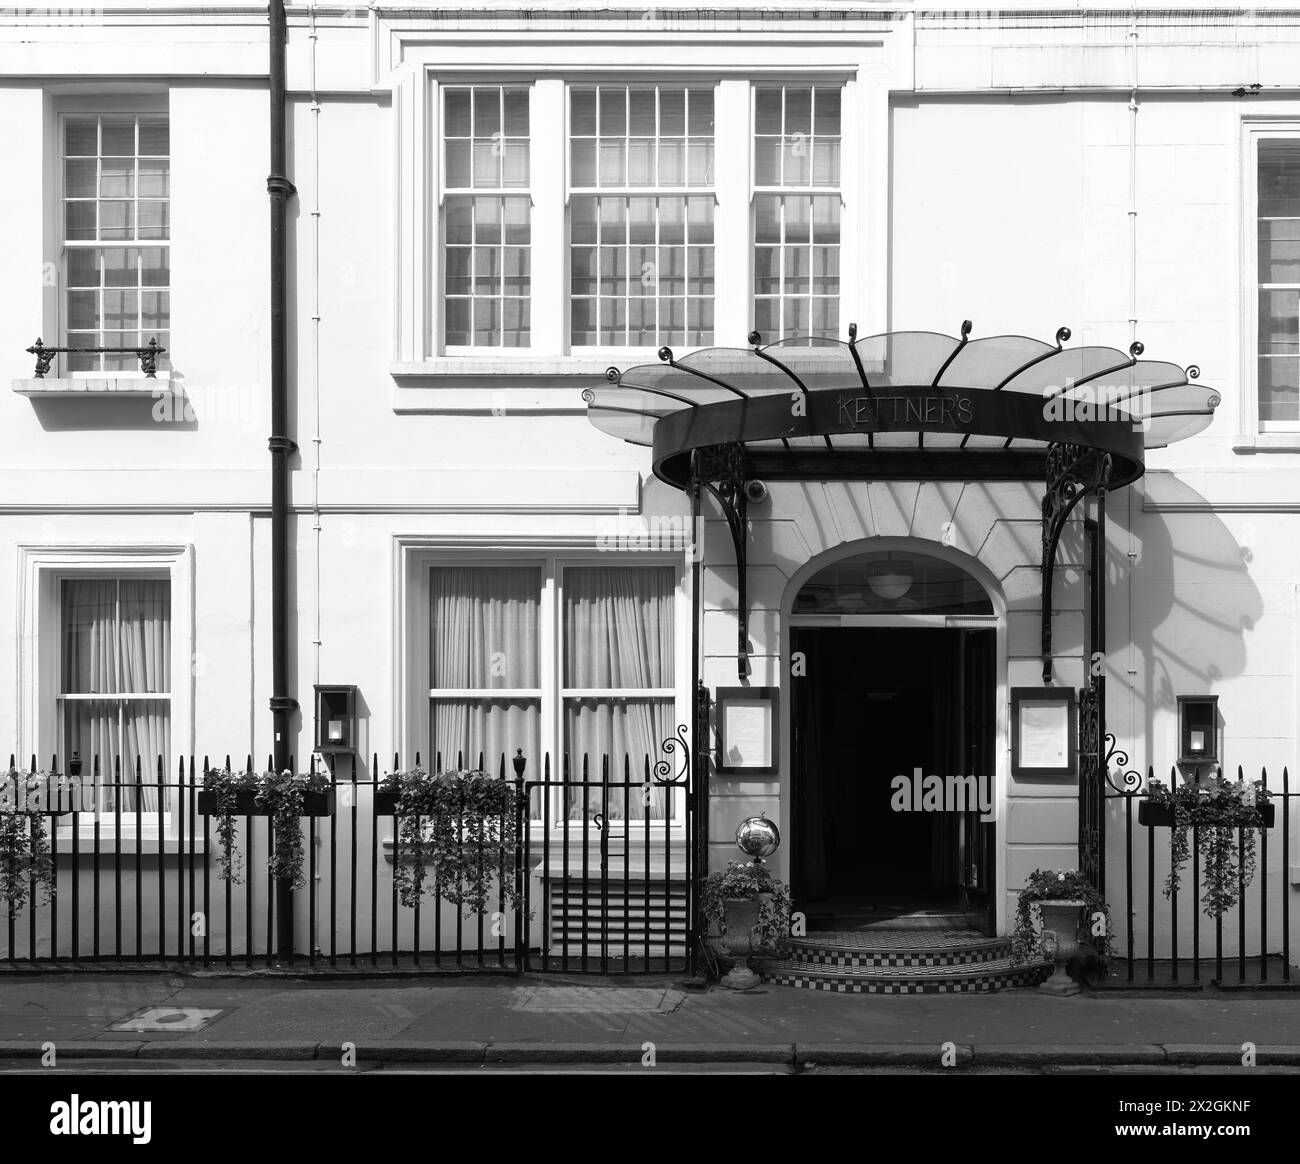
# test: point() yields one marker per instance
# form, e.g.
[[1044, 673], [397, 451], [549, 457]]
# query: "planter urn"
[[1060, 936], [738, 941]]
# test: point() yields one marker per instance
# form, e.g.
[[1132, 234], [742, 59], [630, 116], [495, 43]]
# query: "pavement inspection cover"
[[167, 1018]]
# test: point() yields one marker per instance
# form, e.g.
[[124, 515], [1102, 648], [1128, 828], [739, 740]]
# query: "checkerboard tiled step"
[[998, 974], [899, 948]]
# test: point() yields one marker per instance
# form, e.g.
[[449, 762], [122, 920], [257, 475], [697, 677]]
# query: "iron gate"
[[610, 874]]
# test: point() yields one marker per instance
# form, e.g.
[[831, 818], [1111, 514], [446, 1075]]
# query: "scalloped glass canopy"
[[912, 391]]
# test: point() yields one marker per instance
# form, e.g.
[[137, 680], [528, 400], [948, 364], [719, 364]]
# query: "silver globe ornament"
[[757, 837]]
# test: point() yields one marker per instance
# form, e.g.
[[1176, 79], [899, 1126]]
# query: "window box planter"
[[1162, 815], [386, 803], [313, 804]]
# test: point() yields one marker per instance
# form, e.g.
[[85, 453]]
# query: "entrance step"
[[920, 920], [902, 960]]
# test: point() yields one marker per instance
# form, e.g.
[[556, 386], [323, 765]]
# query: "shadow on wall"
[[1194, 600]]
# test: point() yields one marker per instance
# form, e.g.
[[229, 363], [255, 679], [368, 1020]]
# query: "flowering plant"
[[746, 881], [1218, 809], [1056, 885], [25, 856]]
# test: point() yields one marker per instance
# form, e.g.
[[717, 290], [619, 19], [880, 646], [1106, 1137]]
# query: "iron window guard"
[[147, 355]]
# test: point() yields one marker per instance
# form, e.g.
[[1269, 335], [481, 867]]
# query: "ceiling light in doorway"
[[890, 584]]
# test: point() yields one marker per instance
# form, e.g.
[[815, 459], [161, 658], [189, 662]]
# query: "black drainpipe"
[[282, 446]]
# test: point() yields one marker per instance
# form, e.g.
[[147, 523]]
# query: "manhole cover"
[[595, 1000], [167, 1018]]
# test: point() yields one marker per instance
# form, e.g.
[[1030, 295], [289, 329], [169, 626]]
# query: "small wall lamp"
[[1198, 729], [336, 718]]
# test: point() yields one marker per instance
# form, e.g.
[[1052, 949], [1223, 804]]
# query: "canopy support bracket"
[[1073, 472], [721, 470]]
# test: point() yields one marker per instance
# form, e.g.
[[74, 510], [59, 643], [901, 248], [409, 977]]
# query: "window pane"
[[117, 136], [516, 323], [1279, 251], [700, 109], [117, 178], [483, 627], [121, 309], [116, 220], [81, 137], [155, 267], [79, 220], [83, 267], [152, 221], [798, 112], [79, 178], [154, 137], [629, 732], [1279, 389], [618, 627], [83, 309], [467, 732], [767, 112], [155, 310], [672, 112], [154, 173], [582, 112], [1279, 322], [456, 329], [641, 113], [613, 112], [767, 271], [827, 112], [1279, 178], [487, 112], [458, 164], [487, 321], [459, 220], [119, 267], [90, 661], [456, 113]]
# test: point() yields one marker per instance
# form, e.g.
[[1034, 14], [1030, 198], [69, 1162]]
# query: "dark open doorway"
[[874, 704]]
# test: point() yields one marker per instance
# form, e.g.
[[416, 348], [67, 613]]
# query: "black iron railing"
[[1170, 940], [135, 876], [147, 355]]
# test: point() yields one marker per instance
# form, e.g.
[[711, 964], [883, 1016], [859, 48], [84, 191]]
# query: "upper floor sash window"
[[116, 267], [487, 217]]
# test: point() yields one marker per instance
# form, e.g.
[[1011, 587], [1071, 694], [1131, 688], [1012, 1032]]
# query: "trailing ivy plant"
[[460, 828], [26, 859], [749, 881], [280, 795], [1056, 885], [1219, 810], [226, 784]]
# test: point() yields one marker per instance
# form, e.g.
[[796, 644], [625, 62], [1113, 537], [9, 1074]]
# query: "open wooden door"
[[975, 722]]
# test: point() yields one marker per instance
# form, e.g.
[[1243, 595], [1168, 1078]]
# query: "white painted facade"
[[994, 162]]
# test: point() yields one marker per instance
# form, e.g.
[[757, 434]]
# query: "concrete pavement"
[[458, 1021]]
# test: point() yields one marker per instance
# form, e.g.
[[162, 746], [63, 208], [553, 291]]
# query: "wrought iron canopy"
[[906, 403]]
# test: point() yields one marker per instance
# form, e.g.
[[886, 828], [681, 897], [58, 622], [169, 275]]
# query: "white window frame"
[[809, 190], [1252, 433], [684, 190], [439, 266], [42, 570], [856, 61], [86, 105], [412, 655]]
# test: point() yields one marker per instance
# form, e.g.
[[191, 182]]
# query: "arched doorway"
[[892, 740]]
